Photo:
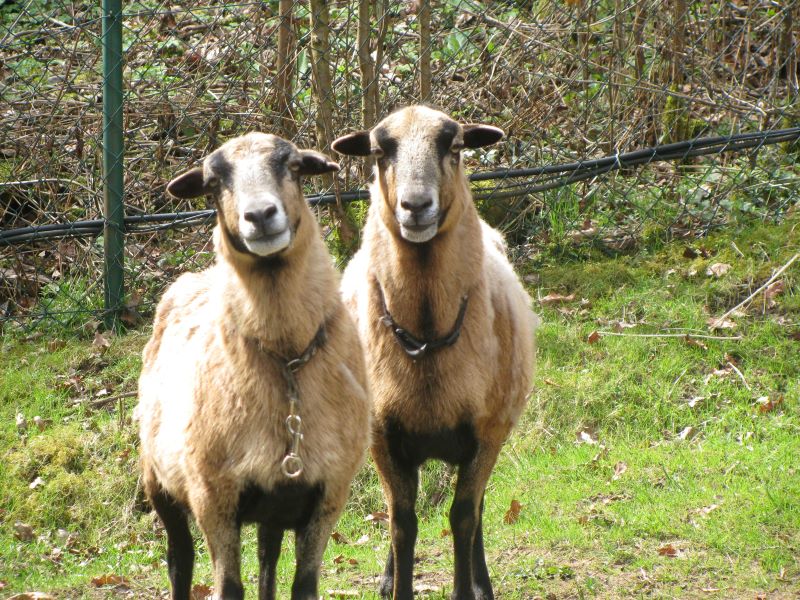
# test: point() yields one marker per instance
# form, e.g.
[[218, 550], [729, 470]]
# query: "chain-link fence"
[[568, 81]]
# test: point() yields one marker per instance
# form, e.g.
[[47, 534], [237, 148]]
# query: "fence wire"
[[569, 81]]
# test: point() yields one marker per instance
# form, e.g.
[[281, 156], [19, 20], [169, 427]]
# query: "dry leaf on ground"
[[110, 579], [512, 514], [32, 596], [767, 404], [339, 538], [553, 299], [718, 269], [715, 323], [668, 550], [23, 532], [619, 469], [378, 517], [201, 592], [593, 337]]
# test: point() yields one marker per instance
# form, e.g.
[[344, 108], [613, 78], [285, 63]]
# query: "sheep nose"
[[262, 216], [416, 204]]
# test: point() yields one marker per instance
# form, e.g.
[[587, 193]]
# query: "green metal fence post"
[[113, 208]]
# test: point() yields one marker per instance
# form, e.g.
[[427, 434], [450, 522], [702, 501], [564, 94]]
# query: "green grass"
[[725, 498]]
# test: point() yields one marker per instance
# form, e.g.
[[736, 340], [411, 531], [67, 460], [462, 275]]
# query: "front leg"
[[471, 579], [399, 482], [312, 538]]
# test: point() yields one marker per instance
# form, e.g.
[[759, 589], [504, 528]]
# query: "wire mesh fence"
[[569, 81]]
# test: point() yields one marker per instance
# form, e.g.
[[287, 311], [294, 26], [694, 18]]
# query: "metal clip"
[[292, 465]]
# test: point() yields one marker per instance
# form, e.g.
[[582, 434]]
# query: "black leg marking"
[[463, 524], [404, 537], [387, 579], [231, 590], [180, 547], [481, 584], [269, 549]]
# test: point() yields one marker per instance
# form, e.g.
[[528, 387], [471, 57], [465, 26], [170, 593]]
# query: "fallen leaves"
[[32, 596], [512, 514], [594, 337], [587, 435], [767, 404], [22, 423], [23, 532], [668, 550], [619, 470], [110, 580], [689, 341], [377, 517], [687, 433], [102, 341], [718, 269], [773, 289], [721, 323], [201, 591], [553, 299], [339, 538]]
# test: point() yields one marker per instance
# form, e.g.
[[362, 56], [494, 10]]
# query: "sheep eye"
[[212, 181], [377, 152], [456, 148]]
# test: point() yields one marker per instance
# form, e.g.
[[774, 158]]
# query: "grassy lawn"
[[644, 467]]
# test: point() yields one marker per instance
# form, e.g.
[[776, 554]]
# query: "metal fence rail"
[[569, 81]]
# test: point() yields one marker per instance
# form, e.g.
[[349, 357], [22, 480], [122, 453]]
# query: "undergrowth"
[[651, 467]]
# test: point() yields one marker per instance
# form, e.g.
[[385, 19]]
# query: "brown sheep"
[[230, 345], [447, 327]]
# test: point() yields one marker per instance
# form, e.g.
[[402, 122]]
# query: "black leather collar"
[[412, 345]]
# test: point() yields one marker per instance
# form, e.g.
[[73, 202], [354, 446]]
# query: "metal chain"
[[292, 464]]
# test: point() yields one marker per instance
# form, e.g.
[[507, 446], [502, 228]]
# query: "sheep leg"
[[180, 546], [269, 548], [471, 580], [222, 535], [480, 573], [310, 542], [400, 481]]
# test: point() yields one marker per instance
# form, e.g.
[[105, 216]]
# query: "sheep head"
[[255, 182], [418, 151]]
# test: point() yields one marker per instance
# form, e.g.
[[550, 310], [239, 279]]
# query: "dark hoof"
[[386, 585]]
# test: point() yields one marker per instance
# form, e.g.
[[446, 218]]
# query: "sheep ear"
[[477, 136], [353, 144], [189, 185], [309, 162]]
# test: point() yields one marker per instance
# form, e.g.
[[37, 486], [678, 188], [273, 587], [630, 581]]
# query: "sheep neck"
[[423, 283], [280, 304]]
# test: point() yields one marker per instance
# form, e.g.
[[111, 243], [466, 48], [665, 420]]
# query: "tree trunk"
[[424, 16], [284, 79], [322, 90]]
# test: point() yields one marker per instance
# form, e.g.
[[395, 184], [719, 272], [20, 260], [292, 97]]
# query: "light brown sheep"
[[216, 377], [447, 327]]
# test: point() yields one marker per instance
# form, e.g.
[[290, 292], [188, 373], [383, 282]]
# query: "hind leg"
[[269, 549], [180, 547]]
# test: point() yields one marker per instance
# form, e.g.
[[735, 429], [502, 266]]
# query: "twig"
[[739, 373], [673, 335], [775, 275], [109, 399], [735, 247]]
